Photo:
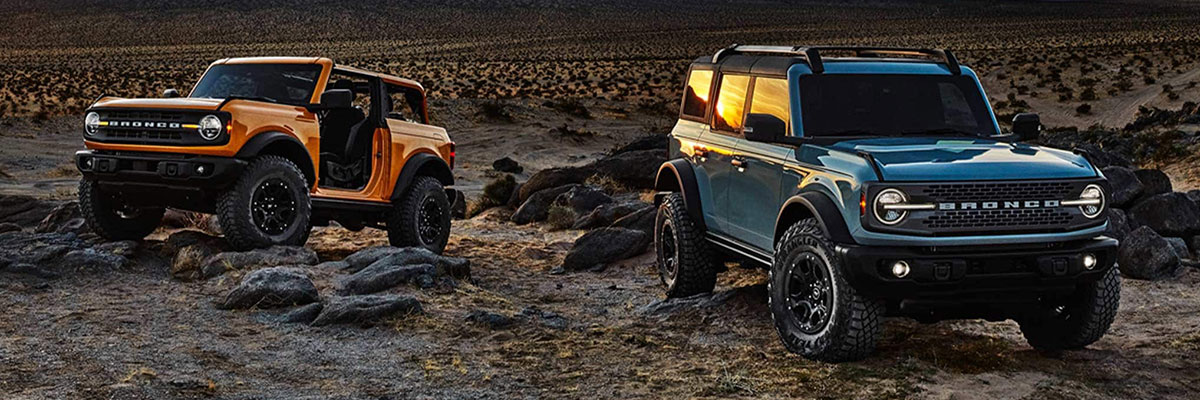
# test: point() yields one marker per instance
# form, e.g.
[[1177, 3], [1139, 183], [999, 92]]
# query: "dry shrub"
[[500, 189], [560, 217], [607, 183]]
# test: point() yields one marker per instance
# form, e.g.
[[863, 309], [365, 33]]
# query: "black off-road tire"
[[685, 263], [422, 217], [854, 322], [1083, 319], [107, 217], [237, 207]]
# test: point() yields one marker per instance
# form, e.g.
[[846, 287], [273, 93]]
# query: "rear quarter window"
[[695, 94]]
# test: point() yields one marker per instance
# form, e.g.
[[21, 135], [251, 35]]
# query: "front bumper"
[[1000, 272], [158, 170]]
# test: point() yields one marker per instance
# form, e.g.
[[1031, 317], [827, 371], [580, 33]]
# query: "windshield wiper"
[[941, 132]]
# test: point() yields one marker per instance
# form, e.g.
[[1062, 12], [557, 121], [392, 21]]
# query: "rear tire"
[[422, 217], [816, 312], [685, 263], [108, 217], [1078, 321], [269, 205]]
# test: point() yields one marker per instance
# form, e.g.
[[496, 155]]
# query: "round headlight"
[[91, 123], [889, 197], [1092, 192], [210, 127]]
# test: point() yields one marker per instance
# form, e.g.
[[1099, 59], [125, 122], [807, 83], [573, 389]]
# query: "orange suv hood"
[[175, 103]]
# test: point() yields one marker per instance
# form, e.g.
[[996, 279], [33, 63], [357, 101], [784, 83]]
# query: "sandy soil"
[[136, 333]]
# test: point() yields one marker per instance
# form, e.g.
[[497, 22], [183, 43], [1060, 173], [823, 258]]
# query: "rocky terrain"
[[547, 288]]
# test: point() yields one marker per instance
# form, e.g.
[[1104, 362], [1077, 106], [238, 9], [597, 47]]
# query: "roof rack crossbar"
[[812, 54]]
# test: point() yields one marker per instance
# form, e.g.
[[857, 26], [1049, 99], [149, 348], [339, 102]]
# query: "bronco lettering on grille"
[[994, 205]]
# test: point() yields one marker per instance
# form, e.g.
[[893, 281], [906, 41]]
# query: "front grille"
[[987, 207], [142, 135], [144, 115], [984, 219], [997, 191], [154, 127]]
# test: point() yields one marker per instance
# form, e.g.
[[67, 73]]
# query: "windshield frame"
[[319, 68], [987, 127]]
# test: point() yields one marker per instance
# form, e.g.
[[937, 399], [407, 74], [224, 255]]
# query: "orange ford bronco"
[[272, 146]]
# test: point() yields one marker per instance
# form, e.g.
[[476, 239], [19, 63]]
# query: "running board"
[[324, 203], [740, 248]]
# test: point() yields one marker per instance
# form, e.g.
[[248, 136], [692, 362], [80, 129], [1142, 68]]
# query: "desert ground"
[[552, 84]]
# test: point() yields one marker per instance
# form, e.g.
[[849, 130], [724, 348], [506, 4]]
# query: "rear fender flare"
[[422, 164], [678, 176]]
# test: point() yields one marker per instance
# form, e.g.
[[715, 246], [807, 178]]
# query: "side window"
[[769, 107], [731, 103], [695, 96], [405, 103]]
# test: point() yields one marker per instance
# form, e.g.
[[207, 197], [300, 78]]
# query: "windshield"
[[886, 105], [277, 83]]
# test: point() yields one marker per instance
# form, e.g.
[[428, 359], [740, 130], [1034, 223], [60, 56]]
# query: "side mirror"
[[764, 128], [1027, 127], [337, 98], [170, 93]]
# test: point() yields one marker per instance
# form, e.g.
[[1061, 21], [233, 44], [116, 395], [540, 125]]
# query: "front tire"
[[422, 217], [1075, 322], [685, 263], [108, 216], [269, 205], [816, 312]]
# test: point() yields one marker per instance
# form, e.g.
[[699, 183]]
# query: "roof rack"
[[813, 54]]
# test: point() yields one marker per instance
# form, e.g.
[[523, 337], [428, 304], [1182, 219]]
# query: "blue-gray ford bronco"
[[875, 182]]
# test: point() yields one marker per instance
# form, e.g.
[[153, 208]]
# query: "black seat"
[[358, 144]]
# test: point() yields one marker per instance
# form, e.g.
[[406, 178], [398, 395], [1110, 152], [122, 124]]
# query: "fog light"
[[900, 269], [1089, 261], [200, 170], [87, 162]]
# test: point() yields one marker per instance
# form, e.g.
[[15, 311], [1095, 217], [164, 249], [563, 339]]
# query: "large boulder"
[[553, 178], [24, 210], [507, 164], [635, 169], [607, 214], [1180, 246], [20, 247], [1124, 183], [1154, 182], [63, 218], [387, 255], [1118, 224], [1170, 214], [642, 220], [605, 245], [648, 142], [1102, 158], [365, 309], [379, 277], [271, 288], [1146, 255], [258, 258], [583, 199], [537, 207]]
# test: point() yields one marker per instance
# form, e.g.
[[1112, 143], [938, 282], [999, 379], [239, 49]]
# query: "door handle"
[[740, 163]]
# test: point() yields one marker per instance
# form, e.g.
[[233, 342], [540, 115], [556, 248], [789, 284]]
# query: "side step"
[[738, 247]]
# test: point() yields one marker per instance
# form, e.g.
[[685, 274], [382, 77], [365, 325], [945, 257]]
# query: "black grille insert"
[[983, 219], [998, 191]]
